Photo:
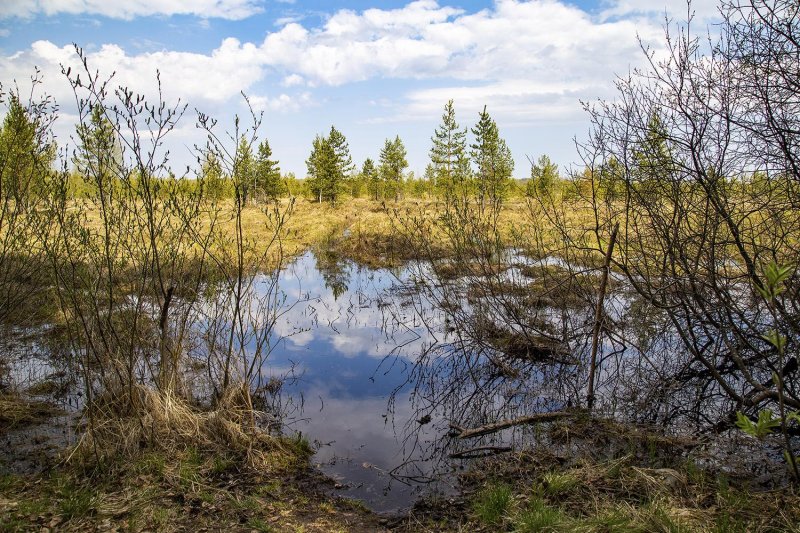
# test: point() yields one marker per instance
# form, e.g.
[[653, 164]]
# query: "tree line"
[[483, 168]]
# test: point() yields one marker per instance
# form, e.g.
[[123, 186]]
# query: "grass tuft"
[[558, 483], [539, 516], [493, 503]]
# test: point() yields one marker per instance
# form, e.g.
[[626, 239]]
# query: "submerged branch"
[[504, 424], [480, 451]]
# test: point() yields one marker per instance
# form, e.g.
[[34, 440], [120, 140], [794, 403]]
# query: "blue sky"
[[373, 69]]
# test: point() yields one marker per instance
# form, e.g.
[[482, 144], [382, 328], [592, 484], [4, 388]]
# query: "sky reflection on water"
[[350, 342]]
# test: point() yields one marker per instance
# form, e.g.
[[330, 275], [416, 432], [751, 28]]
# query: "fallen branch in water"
[[462, 433], [480, 451]]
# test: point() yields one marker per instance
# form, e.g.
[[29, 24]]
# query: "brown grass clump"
[[165, 422], [18, 411]]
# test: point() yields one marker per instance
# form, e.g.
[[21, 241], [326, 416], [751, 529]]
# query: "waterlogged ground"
[[347, 343], [370, 376]]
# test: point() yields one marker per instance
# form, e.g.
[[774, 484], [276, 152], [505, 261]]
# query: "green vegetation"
[[392, 164], [329, 165], [525, 492], [493, 503], [145, 275]]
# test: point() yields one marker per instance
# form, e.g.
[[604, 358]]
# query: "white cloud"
[[283, 21], [354, 47], [517, 100], [529, 61], [292, 79], [702, 10], [226, 9], [516, 52], [282, 102], [197, 78]]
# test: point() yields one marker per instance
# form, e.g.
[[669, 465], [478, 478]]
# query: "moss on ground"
[[189, 490]]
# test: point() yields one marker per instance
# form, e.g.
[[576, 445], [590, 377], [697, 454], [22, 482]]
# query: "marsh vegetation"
[[614, 348]]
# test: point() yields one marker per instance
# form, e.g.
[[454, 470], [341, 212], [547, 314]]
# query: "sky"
[[372, 69]]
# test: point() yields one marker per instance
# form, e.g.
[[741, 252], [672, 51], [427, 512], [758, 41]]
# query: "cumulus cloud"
[[226, 9], [535, 59], [196, 78], [426, 40], [700, 9], [292, 79], [516, 50], [282, 102], [530, 61]]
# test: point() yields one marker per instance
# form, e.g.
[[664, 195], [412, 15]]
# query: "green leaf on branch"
[[763, 427], [774, 276], [776, 339]]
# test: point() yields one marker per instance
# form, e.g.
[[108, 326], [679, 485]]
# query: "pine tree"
[[24, 158], [654, 163], [323, 171], [492, 159], [448, 154], [344, 162], [544, 176], [372, 178], [244, 171], [392, 164], [328, 166], [267, 173], [211, 175], [99, 156]]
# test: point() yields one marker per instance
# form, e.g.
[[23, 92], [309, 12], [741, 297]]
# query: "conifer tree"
[[267, 173], [24, 157], [328, 166], [323, 173], [370, 175], [544, 176], [449, 154], [99, 156], [244, 171], [211, 175], [392, 164], [493, 161], [344, 162]]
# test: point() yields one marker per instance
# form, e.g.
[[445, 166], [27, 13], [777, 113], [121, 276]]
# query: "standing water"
[[346, 346]]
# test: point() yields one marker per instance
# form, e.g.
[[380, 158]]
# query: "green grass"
[[220, 465], [152, 463], [161, 516], [658, 519], [615, 520], [259, 525], [493, 503], [76, 502], [189, 468], [557, 483], [539, 516], [7, 482]]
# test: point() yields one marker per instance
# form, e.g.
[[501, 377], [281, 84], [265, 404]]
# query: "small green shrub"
[[493, 503]]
